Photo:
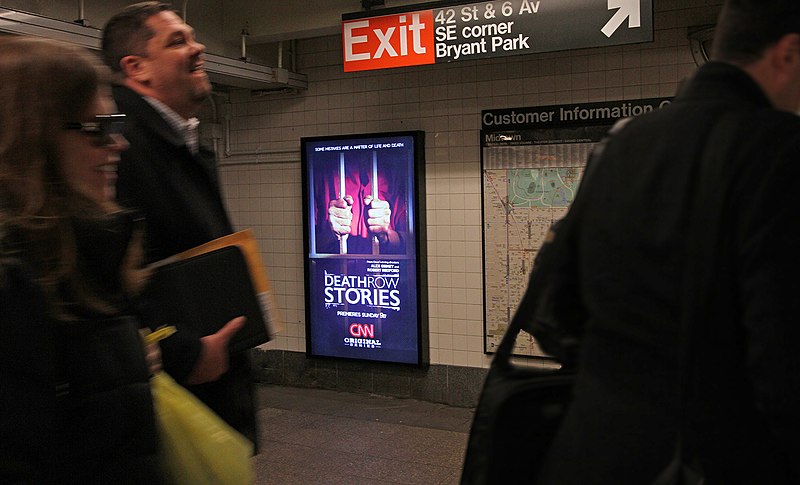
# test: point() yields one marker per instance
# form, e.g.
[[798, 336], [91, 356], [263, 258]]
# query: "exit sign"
[[442, 32]]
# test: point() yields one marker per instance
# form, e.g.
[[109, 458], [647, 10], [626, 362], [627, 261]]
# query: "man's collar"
[[143, 113], [186, 129], [173, 118]]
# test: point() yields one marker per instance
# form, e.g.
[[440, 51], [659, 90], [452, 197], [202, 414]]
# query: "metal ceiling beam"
[[220, 69]]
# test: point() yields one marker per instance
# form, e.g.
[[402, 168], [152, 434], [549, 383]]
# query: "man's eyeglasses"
[[101, 129]]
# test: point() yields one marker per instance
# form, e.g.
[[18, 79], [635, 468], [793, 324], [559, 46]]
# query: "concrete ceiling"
[[219, 23], [274, 20], [222, 20]]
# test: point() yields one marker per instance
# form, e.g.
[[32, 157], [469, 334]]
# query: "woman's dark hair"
[[43, 85]]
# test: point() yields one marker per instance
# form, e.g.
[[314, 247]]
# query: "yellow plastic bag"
[[197, 446]]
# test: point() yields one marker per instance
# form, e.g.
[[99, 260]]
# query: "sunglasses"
[[101, 129]]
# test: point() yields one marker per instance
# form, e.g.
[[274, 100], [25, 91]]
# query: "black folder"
[[204, 292]]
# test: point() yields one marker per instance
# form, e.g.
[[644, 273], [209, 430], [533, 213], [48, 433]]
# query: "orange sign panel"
[[404, 39]]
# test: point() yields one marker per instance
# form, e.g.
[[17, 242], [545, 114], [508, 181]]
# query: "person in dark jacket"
[[634, 235], [172, 181], [75, 401]]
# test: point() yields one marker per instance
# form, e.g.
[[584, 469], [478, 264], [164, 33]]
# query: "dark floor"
[[315, 436]]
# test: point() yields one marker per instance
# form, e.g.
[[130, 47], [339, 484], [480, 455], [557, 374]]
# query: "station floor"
[[322, 437]]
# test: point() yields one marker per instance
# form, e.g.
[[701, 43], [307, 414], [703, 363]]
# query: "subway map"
[[526, 188]]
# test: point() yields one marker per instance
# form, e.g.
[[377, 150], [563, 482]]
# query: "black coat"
[[179, 195], [75, 402], [745, 388]]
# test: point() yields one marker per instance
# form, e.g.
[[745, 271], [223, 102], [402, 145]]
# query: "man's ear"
[[780, 77], [133, 68], [787, 51]]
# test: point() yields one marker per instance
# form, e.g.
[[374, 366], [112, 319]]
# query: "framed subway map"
[[532, 160]]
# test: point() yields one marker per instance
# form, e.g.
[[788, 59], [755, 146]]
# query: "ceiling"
[[248, 42], [219, 23]]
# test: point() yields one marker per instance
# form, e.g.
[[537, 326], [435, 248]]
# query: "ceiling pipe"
[[245, 33], [292, 59], [293, 47], [81, 14]]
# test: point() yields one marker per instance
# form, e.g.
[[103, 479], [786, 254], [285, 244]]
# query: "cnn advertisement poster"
[[365, 291]]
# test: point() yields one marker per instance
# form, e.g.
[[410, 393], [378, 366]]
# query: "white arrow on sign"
[[628, 9]]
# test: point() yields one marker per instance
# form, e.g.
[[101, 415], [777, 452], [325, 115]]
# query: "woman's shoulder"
[[16, 279]]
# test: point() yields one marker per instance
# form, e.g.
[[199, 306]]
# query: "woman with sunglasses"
[[75, 402]]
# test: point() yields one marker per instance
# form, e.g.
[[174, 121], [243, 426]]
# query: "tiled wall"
[[261, 174]]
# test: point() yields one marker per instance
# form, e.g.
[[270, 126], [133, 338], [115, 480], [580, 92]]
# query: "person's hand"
[[152, 354], [340, 215], [213, 360], [378, 216]]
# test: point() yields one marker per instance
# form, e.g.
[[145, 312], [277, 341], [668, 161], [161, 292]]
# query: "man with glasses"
[[173, 181]]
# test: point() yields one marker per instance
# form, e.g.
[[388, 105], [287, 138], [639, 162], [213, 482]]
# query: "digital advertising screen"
[[366, 295]]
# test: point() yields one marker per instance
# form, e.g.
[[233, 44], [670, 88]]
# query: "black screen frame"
[[417, 225]]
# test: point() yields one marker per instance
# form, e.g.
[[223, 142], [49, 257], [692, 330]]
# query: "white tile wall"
[[262, 178]]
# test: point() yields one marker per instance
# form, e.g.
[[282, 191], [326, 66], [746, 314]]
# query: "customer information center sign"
[[438, 32]]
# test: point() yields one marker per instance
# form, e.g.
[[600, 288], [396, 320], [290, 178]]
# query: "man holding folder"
[[173, 181]]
